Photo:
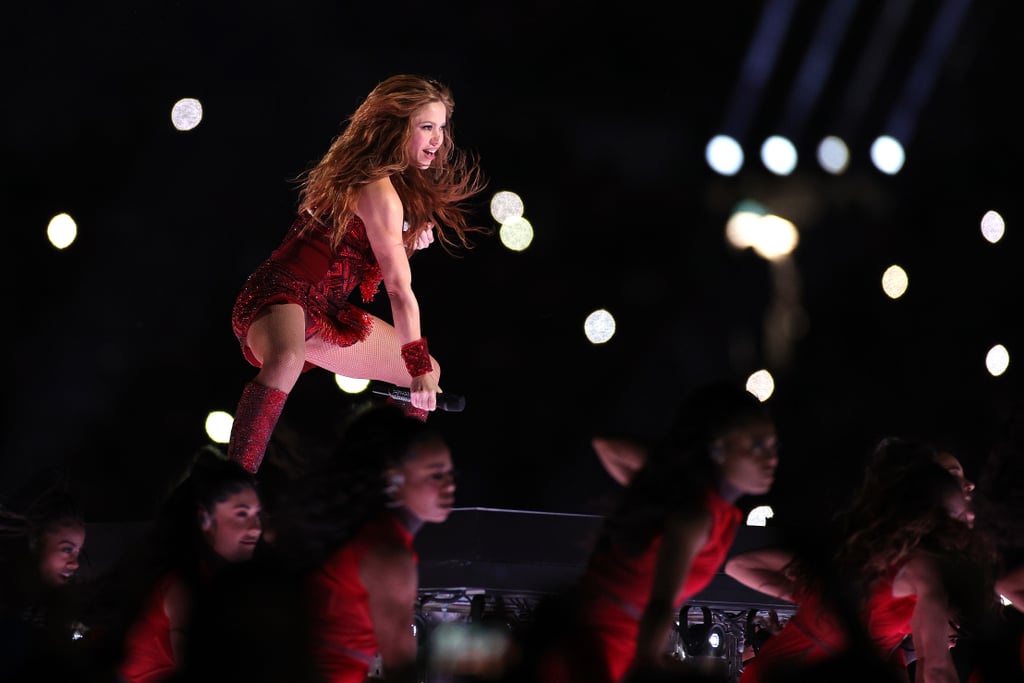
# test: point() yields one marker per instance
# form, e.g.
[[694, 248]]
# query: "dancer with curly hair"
[[906, 563]]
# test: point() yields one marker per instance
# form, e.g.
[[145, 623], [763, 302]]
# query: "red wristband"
[[417, 357]]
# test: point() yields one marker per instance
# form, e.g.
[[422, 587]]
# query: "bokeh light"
[[895, 282], [186, 113], [599, 326], [833, 155], [218, 426], [351, 385], [62, 230], [516, 233], [887, 154], [997, 360], [992, 226], [761, 384], [771, 236], [506, 205], [778, 154], [724, 155]]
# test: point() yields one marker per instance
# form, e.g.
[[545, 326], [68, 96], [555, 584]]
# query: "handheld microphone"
[[451, 403]]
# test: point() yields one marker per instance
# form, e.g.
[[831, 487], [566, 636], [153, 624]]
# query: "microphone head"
[[452, 403]]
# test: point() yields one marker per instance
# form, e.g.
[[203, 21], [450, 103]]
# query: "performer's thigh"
[[278, 332], [378, 357]]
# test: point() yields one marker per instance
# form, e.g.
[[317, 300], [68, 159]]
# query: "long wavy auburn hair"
[[375, 144]]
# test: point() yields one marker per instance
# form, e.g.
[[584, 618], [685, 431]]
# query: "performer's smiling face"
[[58, 553], [234, 526], [428, 127]]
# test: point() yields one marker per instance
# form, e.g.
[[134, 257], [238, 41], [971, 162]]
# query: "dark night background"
[[118, 347]]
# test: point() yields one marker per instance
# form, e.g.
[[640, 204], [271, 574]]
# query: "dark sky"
[[118, 347]]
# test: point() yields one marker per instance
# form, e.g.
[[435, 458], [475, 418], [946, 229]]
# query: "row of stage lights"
[[724, 155]]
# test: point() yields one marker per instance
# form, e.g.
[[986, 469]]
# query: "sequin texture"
[[417, 357], [304, 270]]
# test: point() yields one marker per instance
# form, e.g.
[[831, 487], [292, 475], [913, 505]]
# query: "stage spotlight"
[[887, 154], [833, 155], [715, 642], [724, 155], [694, 636], [778, 155]]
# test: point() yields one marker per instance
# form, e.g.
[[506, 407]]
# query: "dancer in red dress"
[[348, 529], [387, 183], [905, 529], [995, 651], [210, 522], [668, 536]]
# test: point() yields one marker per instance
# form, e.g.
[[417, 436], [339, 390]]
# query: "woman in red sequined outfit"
[[904, 537], [388, 181]]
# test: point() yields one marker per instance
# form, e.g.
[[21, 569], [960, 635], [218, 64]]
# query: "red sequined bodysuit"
[[305, 270], [347, 642]]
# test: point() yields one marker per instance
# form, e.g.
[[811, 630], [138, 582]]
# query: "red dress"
[[813, 634], [615, 589], [147, 651], [346, 641], [305, 270]]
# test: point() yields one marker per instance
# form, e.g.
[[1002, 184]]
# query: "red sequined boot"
[[255, 419]]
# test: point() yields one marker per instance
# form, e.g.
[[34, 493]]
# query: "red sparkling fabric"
[[255, 418], [305, 270], [417, 357]]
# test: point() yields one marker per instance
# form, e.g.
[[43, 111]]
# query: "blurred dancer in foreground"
[[907, 563], [348, 529], [667, 537]]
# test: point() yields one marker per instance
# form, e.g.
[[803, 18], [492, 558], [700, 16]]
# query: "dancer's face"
[[953, 466], [427, 486], [234, 526], [747, 457], [959, 507], [58, 553], [428, 127]]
